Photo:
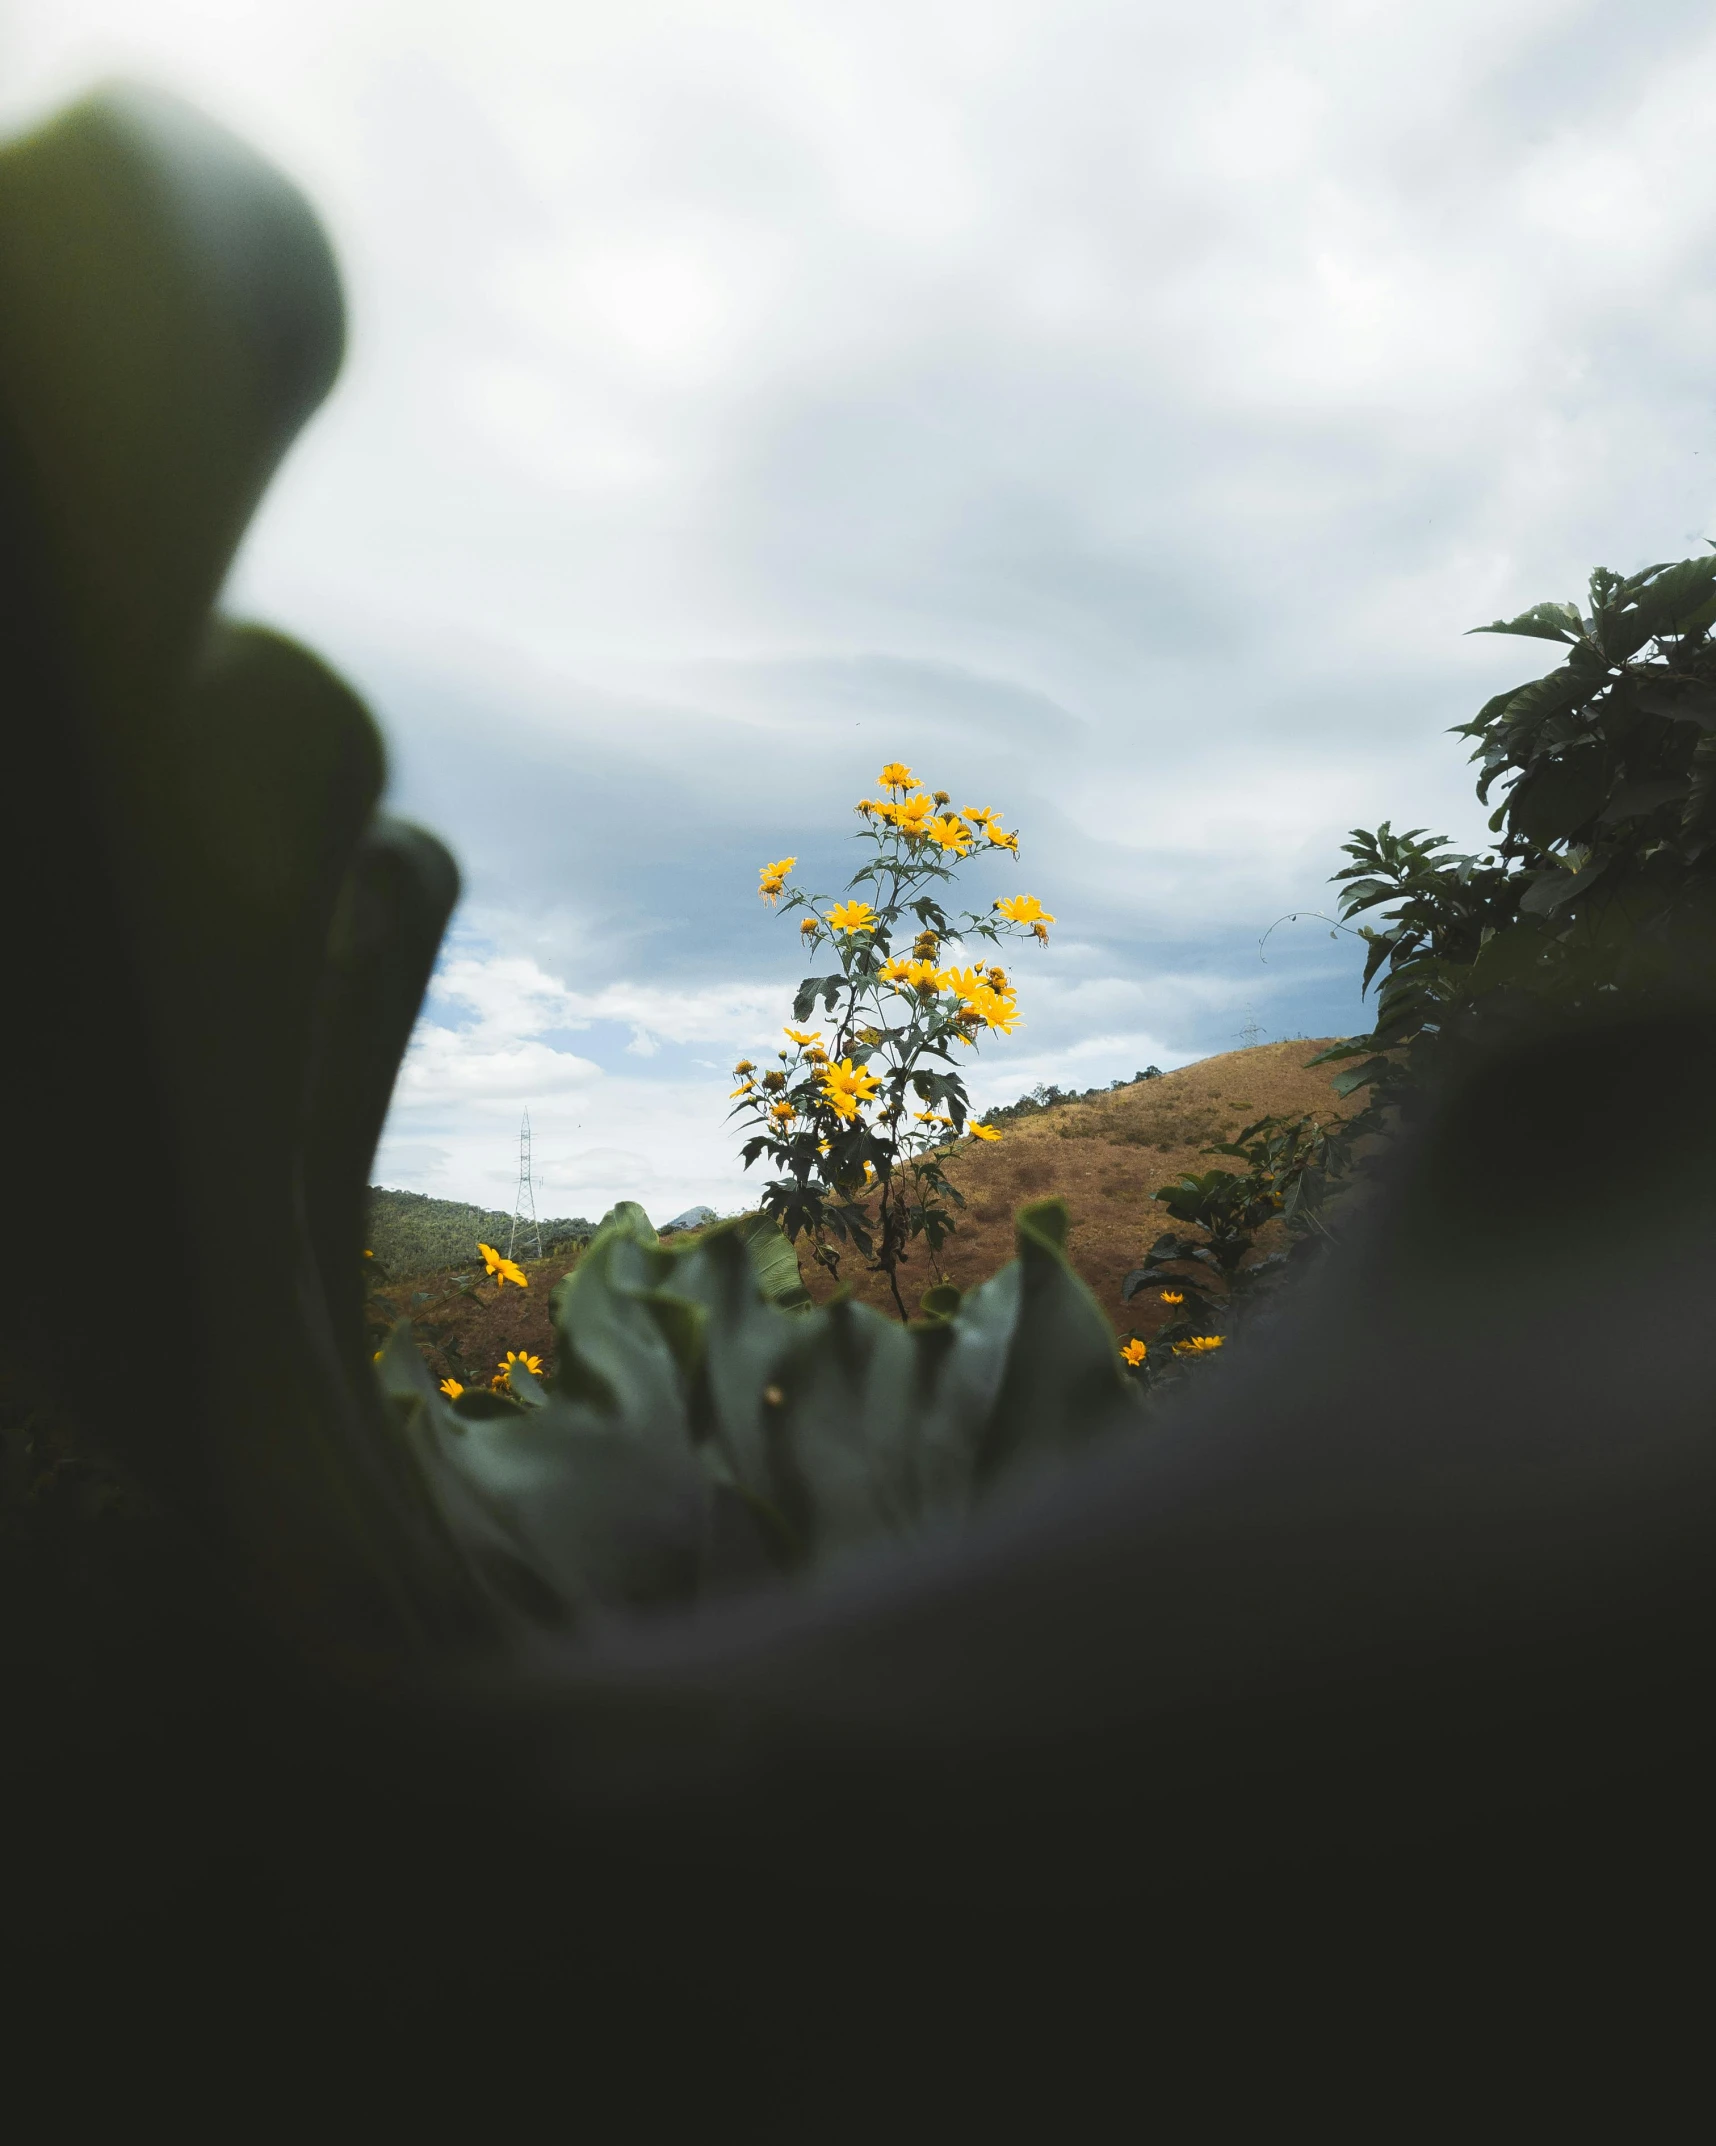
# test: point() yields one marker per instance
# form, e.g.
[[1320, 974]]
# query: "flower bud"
[[774, 1081]]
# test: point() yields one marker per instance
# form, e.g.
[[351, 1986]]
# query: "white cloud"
[[1121, 408]]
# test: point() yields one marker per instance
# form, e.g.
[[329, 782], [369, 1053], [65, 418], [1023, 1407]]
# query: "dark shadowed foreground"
[[1355, 1715]]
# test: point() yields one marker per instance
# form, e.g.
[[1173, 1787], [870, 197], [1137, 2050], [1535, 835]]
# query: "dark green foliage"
[[706, 1427], [1601, 891], [1291, 1164]]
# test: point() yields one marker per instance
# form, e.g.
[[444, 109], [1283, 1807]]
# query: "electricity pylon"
[[524, 1199], [1251, 1034]]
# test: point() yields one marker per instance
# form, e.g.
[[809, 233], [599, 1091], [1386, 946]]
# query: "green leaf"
[[1373, 1069], [1494, 708], [1553, 890], [1635, 800], [1543, 622], [1559, 796], [1063, 1382], [773, 1261], [1685, 700], [526, 1386], [1675, 596], [1511, 957], [1045, 1221], [825, 988]]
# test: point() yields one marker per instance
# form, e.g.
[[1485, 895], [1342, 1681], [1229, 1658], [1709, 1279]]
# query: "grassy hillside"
[[1105, 1155]]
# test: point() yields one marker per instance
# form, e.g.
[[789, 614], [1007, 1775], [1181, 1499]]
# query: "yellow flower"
[[845, 1086], [1023, 909], [931, 1117], [451, 1388], [782, 1110], [896, 970], [950, 834], [745, 1090], [912, 815], [980, 1001], [532, 1364], [773, 878], [998, 980], [897, 776], [501, 1268], [1133, 1351], [817, 1055], [1172, 1296], [1004, 841], [984, 816], [1040, 932], [983, 1132], [744, 1066], [369, 1255], [852, 916], [376, 1358], [925, 976], [800, 1037], [809, 925], [1199, 1345], [1001, 1014]]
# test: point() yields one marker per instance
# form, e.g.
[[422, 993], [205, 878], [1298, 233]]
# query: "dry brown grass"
[[1105, 1158]]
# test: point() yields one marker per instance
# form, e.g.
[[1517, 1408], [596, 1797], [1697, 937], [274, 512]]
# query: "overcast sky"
[[1117, 411]]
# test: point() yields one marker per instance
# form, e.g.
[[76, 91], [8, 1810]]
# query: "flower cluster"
[[871, 1104], [922, 815]]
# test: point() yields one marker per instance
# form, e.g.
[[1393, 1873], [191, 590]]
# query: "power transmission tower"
[[1251, 1035], [524, 1199]]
